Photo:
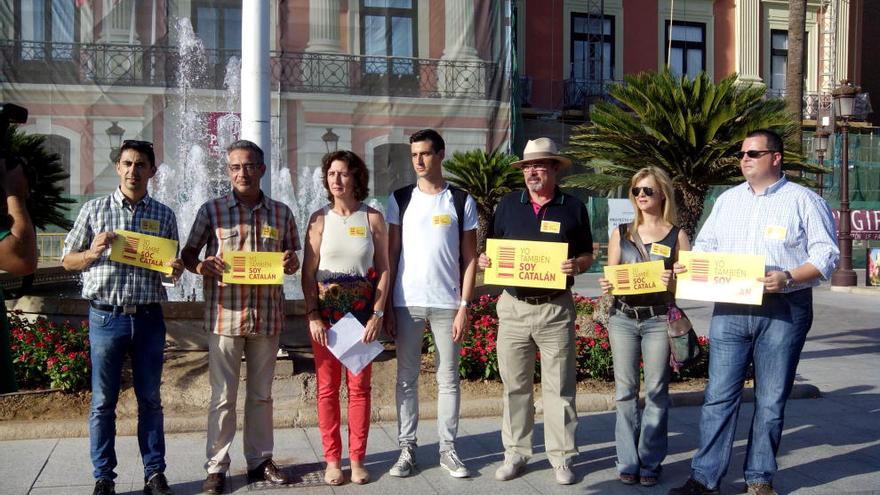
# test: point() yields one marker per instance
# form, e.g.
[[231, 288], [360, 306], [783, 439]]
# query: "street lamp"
[[331, 140], [844, 103], [820, 144], [115, 133]]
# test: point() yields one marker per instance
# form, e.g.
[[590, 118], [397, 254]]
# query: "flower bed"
[[479, 358], [46, 354]]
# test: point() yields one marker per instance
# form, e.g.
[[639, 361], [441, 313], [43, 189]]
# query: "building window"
[[47, 29], [687, 53], [388, 30], [778, 59], [218, 24], [592, 47]]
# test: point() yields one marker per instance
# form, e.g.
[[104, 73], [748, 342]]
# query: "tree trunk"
[[690, 199], [794, 73], [484, 216]]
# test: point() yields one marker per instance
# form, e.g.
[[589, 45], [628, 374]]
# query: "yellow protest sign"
[[526, 263], [721, 277], [245, 267], [636, 278], [143, 250]]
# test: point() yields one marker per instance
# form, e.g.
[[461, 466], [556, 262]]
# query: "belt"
[[539, 299], [126, 309], [640, 312]]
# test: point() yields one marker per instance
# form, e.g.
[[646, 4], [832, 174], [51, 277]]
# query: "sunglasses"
[[752, 153], [649, 191]]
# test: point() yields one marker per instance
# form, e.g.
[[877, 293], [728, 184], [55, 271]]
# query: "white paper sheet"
[[344, 341]]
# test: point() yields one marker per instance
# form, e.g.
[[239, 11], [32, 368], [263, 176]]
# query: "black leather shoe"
[[269, 472], [104, 487], [157, 485], [692, 487], [214, 484]]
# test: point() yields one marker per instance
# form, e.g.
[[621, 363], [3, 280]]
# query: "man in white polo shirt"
[[433, 248]]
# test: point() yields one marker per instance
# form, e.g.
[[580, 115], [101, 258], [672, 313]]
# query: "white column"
[[255, 80], [460, 38], [323, 26], [841, 65], [748, 40]]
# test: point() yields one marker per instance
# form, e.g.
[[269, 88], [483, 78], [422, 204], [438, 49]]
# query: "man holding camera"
[[18, 253]]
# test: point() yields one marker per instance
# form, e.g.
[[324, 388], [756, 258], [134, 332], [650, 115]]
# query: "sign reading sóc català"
[[721, 277], [636, 278], [526, 263], [143, 250], [255, 268]]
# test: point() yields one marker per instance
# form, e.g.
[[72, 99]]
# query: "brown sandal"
[[360, 475], [333, 476]]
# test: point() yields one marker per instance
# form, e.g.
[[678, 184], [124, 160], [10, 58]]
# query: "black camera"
[[9, 114]]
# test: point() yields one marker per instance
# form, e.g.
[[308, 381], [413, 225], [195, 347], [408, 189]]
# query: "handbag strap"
[[637, 240]]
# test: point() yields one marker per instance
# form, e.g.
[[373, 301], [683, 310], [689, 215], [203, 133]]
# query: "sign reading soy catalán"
[[526, 263], [143, 250], [245, 267], [636, 278], [721, 277]]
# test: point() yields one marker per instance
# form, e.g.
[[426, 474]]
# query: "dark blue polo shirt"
[[515, 219]]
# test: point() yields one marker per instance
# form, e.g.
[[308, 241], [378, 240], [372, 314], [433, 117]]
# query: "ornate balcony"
[[158, 66], [580, 92]]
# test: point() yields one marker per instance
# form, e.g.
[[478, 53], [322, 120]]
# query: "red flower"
[[337, 315], [591, 342], [372, 275], [325, 313], [359, 305], [604, 344]]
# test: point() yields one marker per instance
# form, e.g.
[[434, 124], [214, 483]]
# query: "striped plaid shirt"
[[789, 225], [224, 224], [115, 283]]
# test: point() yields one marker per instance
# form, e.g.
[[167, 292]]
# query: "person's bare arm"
[[18, 250], [311, 260], [380, 264], [469, 264]]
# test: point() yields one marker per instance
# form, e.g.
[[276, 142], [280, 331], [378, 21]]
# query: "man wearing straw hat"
[[540, 319]]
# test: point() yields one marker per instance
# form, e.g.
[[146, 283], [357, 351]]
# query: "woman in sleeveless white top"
[[345, 269]]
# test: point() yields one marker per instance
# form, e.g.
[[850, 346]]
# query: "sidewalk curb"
[[307, 417]]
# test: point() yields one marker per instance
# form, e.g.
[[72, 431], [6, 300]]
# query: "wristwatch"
[[789, 281], [378, 313]]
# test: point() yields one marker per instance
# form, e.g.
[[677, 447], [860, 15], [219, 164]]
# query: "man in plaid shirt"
[[125, 318], [244, 319]]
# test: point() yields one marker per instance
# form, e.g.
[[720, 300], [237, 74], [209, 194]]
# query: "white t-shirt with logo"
[[429, 272]]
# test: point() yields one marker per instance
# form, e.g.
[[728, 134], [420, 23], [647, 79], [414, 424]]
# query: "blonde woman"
[[637, 329]]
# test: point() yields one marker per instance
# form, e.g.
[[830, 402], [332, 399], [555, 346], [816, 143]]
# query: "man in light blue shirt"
[[793, 229]]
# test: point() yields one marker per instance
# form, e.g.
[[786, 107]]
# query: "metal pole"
[[845, 276], [255, 81], [820, 177]]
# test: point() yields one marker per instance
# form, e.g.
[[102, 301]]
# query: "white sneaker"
[[509, 470], [405, 464], [449, 461], [564, 475]]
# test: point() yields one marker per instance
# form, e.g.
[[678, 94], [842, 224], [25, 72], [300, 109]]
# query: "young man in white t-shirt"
[[433, 265]]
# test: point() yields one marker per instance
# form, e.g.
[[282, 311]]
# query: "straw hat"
[[540, 150]]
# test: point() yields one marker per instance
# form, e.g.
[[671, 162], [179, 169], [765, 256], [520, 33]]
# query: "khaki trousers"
[[224, 370], [524, 328]]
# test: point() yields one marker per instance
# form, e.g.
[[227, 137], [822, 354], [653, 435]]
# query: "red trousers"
[[329, 376]]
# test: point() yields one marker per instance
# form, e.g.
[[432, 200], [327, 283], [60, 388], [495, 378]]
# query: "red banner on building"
[[864, 224]]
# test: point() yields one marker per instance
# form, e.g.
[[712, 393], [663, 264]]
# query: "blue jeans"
[[112, 337], [410, 328], [640, 439], [771, 336]]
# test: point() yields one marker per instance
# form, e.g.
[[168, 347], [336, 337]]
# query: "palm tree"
[[46, 202], [688, 128], [794, 71], [487, 177]]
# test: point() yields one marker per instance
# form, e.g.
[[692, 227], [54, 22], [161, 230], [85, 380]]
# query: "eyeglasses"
[[537, 167], [752, 153], [136, 144], [649, 191], [250, 167]]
